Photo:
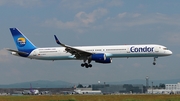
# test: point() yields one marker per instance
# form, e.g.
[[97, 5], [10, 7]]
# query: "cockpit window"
[[165, 48]]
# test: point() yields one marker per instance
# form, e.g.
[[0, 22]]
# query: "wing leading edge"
[[79, 54]]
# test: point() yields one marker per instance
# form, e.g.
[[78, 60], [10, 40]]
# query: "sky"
[[90, 22]]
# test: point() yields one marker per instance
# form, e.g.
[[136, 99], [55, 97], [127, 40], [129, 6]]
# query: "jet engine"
[[98, 57], [108, 60]]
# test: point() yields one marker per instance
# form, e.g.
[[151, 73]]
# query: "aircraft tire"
[[86, 65], [82, 65], [90, 65]]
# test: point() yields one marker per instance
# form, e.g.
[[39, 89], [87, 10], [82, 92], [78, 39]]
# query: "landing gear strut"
[[154, 63]]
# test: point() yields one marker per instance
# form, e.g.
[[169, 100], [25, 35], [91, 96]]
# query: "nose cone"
[[169, 52]]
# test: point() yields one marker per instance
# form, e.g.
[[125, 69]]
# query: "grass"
[[92, 98]]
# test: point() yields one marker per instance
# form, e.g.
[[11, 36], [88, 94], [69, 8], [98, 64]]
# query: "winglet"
[[57, 41]]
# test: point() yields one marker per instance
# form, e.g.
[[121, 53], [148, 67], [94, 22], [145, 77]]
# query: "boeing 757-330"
[[99, 54]]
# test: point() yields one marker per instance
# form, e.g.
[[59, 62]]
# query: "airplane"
[[99, 54], [78, 91], [30, 91]]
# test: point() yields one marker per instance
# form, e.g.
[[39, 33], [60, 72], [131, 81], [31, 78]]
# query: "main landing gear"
[[154, 63], [87, 65]]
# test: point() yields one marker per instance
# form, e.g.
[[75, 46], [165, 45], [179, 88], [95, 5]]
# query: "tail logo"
[[21, 42]]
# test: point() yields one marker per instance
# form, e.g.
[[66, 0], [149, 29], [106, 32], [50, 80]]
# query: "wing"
[[79, 54]]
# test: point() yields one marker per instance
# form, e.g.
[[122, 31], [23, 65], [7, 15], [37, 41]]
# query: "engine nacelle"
[[108, 60], [98, 57]]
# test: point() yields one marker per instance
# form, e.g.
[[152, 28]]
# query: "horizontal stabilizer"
[[19, 52]]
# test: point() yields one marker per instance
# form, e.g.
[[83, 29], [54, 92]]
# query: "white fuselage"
[[111, 51]]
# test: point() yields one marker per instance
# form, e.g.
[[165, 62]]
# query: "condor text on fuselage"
[[141, 49]]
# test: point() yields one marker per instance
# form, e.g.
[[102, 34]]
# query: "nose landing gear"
[[154, 63]]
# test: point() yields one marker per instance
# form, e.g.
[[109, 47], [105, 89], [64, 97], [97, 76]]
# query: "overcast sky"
[[90, 22]]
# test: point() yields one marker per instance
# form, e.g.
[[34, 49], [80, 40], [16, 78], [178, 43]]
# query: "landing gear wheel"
[[86, 65], [82, 65], [90, 65], [154, 63]]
